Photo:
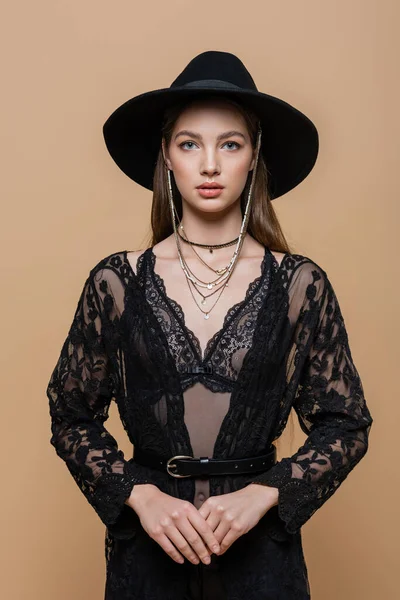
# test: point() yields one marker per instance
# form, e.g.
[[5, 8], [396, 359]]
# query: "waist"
[[190, 466]]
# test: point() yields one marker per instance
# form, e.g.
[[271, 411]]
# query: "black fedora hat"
[[289, 145]]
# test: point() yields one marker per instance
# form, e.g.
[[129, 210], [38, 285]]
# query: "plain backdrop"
[[65, 205]]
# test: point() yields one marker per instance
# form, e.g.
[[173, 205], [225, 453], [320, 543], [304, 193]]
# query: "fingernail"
[[207, 559], [215, 548]]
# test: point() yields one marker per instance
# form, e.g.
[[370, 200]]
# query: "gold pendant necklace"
[[205, 297], [221, 289], [189, 273], [216, 271]]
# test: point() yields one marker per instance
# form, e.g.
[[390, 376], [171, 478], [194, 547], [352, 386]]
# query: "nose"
[[210, 165]]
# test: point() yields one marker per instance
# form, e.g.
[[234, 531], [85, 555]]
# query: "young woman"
[[206, 340]]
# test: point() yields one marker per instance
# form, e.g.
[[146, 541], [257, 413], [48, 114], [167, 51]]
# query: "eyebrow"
[[222, 136]]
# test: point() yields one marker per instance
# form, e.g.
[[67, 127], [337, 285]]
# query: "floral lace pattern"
[[224, 348], [118, 349]]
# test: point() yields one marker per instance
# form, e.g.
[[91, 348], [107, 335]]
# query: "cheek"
[[237, 175], [242, 167], [184, 170], [185, 178]]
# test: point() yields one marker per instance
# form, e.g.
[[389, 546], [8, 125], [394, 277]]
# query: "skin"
[[178, 526]]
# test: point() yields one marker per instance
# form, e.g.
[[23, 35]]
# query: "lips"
[[210, 186]]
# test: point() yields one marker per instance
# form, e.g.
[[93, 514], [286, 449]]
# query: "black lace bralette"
[[225, 351]]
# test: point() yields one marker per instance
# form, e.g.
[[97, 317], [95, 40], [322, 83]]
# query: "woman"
[[206, 340]]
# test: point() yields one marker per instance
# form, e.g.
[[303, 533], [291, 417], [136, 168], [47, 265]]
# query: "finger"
[[221, 531], [213, 512], [205, 509], [169, 548], [194, 539], [214, 519], [204, 531], [182, 543], [235, 531]]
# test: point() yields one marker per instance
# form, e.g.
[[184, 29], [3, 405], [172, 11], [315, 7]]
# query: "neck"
[[211, 228]]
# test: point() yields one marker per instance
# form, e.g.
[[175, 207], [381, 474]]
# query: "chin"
[[210, 204]]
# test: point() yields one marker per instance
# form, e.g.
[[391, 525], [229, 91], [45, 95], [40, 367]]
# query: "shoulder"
[[305, 265], [305, 275], [122, 262], [110, 274], [111, 261]]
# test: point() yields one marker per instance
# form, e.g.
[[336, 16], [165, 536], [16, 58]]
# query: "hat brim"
[[290, 142]]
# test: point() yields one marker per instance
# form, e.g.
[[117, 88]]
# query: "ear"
[[165, 154]]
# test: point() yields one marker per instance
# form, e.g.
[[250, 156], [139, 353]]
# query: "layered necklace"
[[211, 247], [220, 282]]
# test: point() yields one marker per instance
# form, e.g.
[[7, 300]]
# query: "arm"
[[331, 408], [80, 391]]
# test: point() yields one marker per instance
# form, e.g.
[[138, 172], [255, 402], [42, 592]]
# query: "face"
[[210, 143]]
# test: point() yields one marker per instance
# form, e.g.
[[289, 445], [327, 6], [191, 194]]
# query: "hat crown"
[[214, 66]]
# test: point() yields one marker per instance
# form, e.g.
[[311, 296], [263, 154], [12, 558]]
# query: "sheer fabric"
[[206, 397], [285, 345]]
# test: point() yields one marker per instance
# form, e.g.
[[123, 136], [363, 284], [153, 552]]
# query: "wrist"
[[141, 492], [270, 493]]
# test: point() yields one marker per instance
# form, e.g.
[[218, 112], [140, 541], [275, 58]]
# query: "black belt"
[[188, 466]]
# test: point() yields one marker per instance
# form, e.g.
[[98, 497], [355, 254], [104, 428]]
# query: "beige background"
[[66, 66]]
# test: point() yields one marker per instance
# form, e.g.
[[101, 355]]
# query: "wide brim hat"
[[289, 143]]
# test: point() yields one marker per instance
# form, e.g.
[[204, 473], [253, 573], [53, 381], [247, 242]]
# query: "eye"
[[188, 142], [184, 144], [235, 143]]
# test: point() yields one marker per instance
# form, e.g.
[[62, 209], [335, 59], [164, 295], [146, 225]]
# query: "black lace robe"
[[128, 342]]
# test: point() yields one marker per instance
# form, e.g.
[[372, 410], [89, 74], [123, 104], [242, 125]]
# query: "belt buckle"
[[169, 465]]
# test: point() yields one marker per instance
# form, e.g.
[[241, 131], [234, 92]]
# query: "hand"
[[173, 523], [231, 515]]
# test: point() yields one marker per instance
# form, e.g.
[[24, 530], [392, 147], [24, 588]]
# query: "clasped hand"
[[182, 530]]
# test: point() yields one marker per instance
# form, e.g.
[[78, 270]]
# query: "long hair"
[[263, 223]]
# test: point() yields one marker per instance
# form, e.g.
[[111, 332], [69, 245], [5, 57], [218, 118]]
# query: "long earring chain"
[[224, 277]]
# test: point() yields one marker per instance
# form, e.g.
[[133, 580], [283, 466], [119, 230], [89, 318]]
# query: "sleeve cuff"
[[297, 498], [296, 504], [109, 497], [112, 490]]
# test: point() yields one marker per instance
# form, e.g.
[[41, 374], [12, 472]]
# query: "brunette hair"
[[263, 223]]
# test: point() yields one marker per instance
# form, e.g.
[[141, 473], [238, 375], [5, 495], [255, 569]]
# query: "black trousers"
[[205, 582]]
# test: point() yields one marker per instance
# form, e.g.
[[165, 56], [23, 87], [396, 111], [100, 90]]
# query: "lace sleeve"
[[331, 408], [80, 391]]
